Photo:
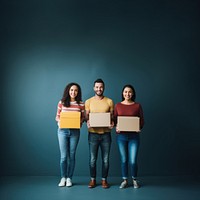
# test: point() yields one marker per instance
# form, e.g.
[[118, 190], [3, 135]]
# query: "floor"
[[45, 187]]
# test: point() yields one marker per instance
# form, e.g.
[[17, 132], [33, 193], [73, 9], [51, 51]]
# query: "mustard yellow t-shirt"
[[94, 105]]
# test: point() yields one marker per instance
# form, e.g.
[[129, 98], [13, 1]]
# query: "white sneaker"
[[69, 182], [124, 184], [135, 184], [62, 182]]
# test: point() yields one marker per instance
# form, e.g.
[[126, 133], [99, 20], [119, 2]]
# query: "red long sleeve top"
[[134, 110]]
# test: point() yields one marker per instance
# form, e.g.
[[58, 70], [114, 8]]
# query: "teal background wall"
[[153, 45]]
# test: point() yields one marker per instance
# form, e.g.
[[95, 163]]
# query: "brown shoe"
[[105, 184], [92, 184]]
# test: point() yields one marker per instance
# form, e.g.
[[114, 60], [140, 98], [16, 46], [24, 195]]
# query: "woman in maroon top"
[[128, 142]]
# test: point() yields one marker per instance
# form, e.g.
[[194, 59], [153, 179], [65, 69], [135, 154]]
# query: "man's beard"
[[99, 94]]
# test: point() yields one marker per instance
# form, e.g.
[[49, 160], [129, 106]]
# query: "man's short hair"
[[99, 80]]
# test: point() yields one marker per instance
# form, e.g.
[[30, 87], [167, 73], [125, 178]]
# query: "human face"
[[99, 89], [127, 94], [73, 92]]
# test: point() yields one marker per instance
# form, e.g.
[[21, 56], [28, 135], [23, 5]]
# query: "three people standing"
[[99, 137]]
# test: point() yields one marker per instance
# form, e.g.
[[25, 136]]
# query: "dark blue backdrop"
[[153, 45]]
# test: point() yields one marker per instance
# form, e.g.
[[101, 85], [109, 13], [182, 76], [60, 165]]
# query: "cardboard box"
[[70, 119], [99, 119], [128, 123]]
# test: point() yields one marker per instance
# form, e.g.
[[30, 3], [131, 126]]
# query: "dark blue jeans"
[[104, 142], [128, 144]]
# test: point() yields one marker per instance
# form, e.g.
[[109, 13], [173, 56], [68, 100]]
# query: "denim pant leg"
[[105, 152], [73, 142], [133, 148], [93, 140], [123, 151], [63, 144], [68, 140]]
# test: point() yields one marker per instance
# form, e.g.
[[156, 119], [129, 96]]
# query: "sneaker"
[[69, 182], [124, 184], [92, 183], [62, 182], [135, 184], [104, 184]]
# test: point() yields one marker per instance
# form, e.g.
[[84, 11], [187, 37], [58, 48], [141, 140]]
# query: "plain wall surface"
[[153, 45]]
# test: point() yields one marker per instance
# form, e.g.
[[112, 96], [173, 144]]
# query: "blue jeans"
[[68, 140], [104, 142], [128, 144]]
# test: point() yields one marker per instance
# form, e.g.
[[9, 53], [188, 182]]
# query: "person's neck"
[[128, 102], [99, 97]]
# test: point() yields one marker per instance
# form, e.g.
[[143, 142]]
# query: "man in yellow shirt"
[[99, 136]]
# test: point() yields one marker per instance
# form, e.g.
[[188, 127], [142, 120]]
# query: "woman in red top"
[[128, 142]]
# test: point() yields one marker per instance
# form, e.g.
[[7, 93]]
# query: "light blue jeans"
[[68, 140], [128, 144]]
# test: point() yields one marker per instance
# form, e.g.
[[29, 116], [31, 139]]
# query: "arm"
[[87, 111], [141, 117], [82, 110], [87, 118], [115, 118], [59, 109], [112, 114]]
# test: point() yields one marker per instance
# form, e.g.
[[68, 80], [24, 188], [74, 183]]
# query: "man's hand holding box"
[[100, 119]]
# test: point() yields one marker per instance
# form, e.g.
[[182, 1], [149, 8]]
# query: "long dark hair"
[[66, 97], [132, 88]]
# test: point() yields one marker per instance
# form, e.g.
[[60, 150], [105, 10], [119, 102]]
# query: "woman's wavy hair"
[[66, 97], [132, 88]]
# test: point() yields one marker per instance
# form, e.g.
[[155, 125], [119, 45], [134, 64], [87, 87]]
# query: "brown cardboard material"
[[128, 123], [70, 120], [99, 119]]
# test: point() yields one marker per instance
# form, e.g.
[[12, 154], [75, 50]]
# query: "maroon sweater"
[[129, 110]]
